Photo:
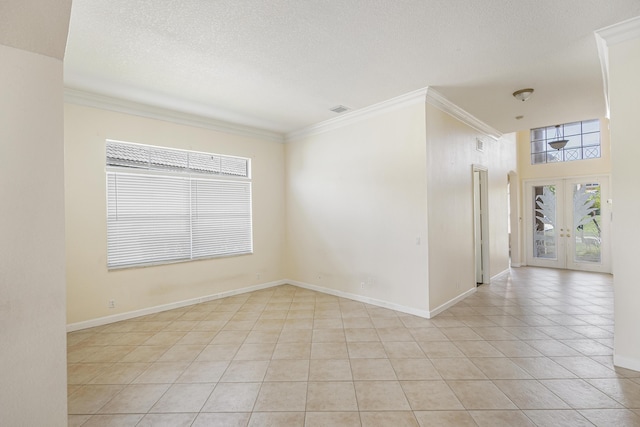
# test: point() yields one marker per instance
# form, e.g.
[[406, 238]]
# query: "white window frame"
[[581, 144], [178, 206]]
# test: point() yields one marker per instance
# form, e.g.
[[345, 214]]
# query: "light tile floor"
[[532, 348]]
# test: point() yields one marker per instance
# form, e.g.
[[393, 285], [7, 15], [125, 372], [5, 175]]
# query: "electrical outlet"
[[258, 276], [112, 303], [361, 285]]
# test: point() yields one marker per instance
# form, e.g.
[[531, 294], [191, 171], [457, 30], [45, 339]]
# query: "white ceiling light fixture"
[[558, 144], [523, 94]]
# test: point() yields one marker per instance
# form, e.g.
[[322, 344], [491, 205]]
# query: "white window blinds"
[[167, 205]]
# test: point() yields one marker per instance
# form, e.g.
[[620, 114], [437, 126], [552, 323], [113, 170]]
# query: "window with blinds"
[[166, 205]]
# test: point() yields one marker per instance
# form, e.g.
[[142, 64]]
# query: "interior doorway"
[[481, 224], [514, 222]]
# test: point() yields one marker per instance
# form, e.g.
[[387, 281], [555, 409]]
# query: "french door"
[[568, 223]]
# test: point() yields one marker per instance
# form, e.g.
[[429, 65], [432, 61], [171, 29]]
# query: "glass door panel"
[[588, 242], [586, 223], [545, 236]]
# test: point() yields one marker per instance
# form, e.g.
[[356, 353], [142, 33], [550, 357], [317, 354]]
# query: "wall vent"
[[479, 144], [339, 109]]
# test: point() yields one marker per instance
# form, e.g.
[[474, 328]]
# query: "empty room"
[[285, 213]]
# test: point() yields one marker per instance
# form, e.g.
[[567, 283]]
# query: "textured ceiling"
[[280, 65]]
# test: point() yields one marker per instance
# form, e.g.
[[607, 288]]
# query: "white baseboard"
[[452, 302], [626, 362], [495, 276], [100, 321], [361, 298]]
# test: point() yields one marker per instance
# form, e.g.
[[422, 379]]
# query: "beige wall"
[[624, 89], [451, 154], [351, 209], [359, 197], [356, 203], [32, 276], [90, 285]]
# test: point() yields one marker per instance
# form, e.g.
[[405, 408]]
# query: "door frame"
[[605, 265], [480, 178], [515, 220]]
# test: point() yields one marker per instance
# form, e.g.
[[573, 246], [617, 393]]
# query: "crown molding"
[[603, 54], [90, 99], [621, 32], [424, 95], [411, 98], [609, 36], [438, 100]]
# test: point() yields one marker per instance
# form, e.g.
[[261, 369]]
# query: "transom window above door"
[[566, 142]]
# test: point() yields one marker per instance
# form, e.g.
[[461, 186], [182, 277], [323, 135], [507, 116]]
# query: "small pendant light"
[[558, 144]]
